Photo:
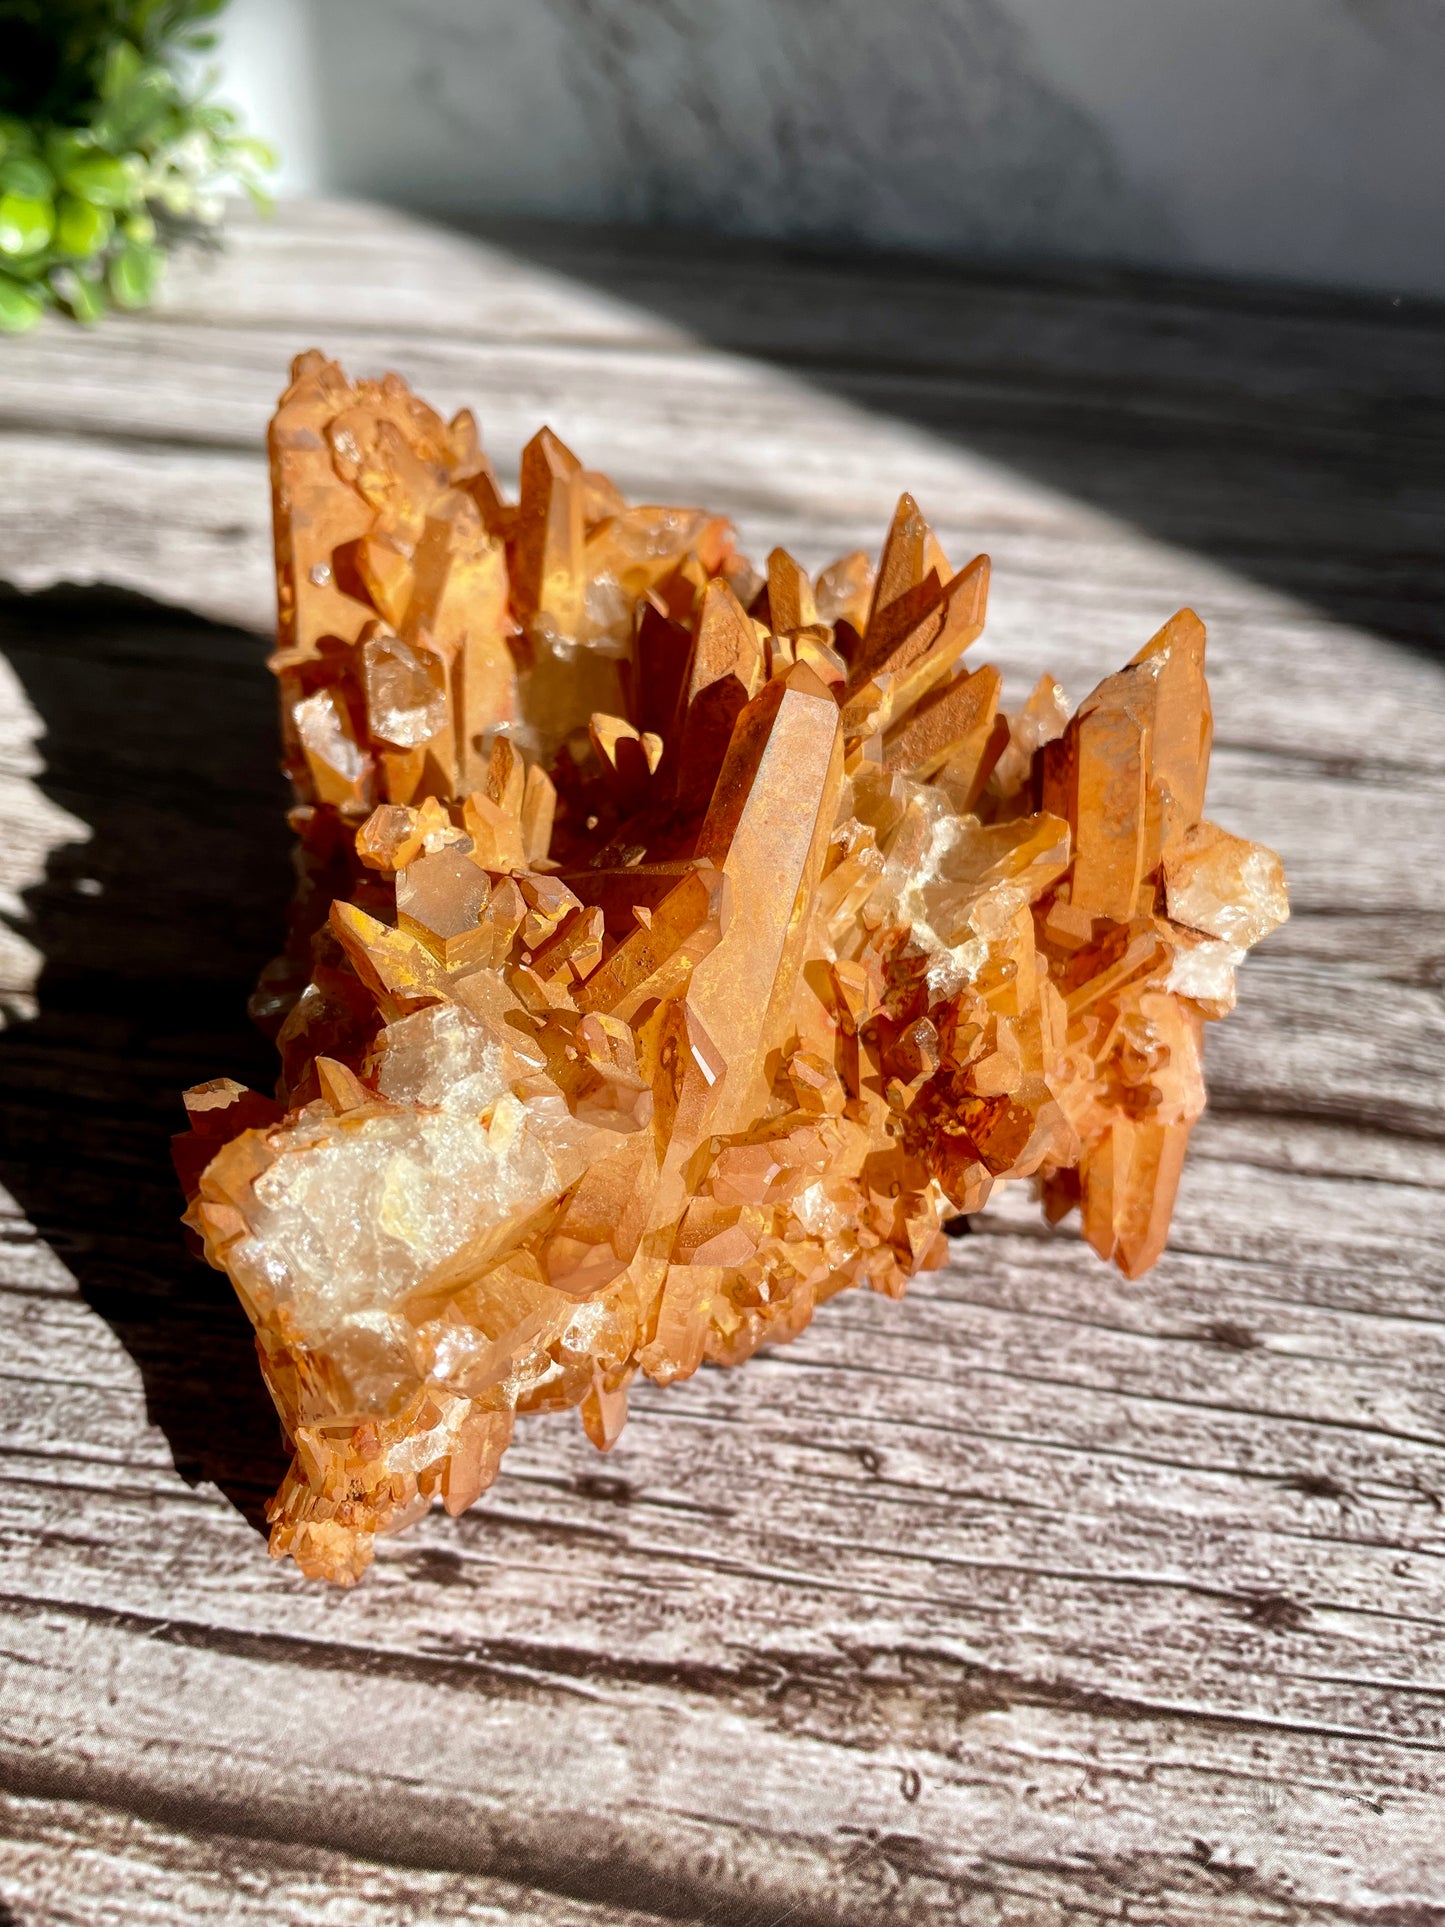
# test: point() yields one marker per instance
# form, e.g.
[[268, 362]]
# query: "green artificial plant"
[[110, 150]]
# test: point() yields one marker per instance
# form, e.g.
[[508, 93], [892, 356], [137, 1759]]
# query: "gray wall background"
[[1302, 140]]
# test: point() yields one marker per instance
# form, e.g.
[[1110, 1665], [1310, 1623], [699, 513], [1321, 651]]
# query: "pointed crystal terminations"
[[675, 946]]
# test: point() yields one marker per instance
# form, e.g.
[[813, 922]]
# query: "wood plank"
[[1039, 1597], [1216, 417], [821, 468], [1085, 360], [87, 1865], [318, 262], [186, 529], [921, 1658], [641, 1793]]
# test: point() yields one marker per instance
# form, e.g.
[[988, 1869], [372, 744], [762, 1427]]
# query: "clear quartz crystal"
[[357, 1212], [441, 1057]]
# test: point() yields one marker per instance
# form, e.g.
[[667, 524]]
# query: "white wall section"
[[1297, 139]]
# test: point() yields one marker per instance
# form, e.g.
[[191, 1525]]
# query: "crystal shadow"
[[159, 734]]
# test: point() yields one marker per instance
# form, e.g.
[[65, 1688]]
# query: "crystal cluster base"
[[674, 946]]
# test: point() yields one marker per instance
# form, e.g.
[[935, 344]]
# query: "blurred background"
[[1302, 140]]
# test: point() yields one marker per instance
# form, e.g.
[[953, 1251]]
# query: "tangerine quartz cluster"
[[674, 947]]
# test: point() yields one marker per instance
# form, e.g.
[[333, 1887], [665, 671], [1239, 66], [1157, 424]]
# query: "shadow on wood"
[[1295, 437], [160, 735]]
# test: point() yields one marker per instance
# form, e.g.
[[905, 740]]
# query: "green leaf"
[[177, 195], [214, 118], [136, 111], [82, 294], [32, 180], [26, 224], [99, 178], [253, 153], [172, 127], [122, 64], [81, 228], [133, 275], [16, 136], [139, 227], [19, 307], [64, 146], [30, 267]]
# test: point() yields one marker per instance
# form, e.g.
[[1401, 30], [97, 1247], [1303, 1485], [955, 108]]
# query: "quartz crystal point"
[[675, 945]]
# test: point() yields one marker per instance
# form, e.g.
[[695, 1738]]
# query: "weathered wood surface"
[[1039, 1597]]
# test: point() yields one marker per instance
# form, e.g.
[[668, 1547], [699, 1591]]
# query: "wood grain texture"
[[1038, 1598]]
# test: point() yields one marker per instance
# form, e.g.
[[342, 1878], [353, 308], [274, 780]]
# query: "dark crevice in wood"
[[1386, 1116], [1264, 1159], [855, 1700], [16, 422], [1377, 770], [224, 1873], [678, 1866], [399, 1827], [1314, 1421]]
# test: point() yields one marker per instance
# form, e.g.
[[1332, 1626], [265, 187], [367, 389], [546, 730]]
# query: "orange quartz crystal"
[[675, 946]]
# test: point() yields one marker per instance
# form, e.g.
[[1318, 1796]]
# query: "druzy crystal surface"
[[675, 945]]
